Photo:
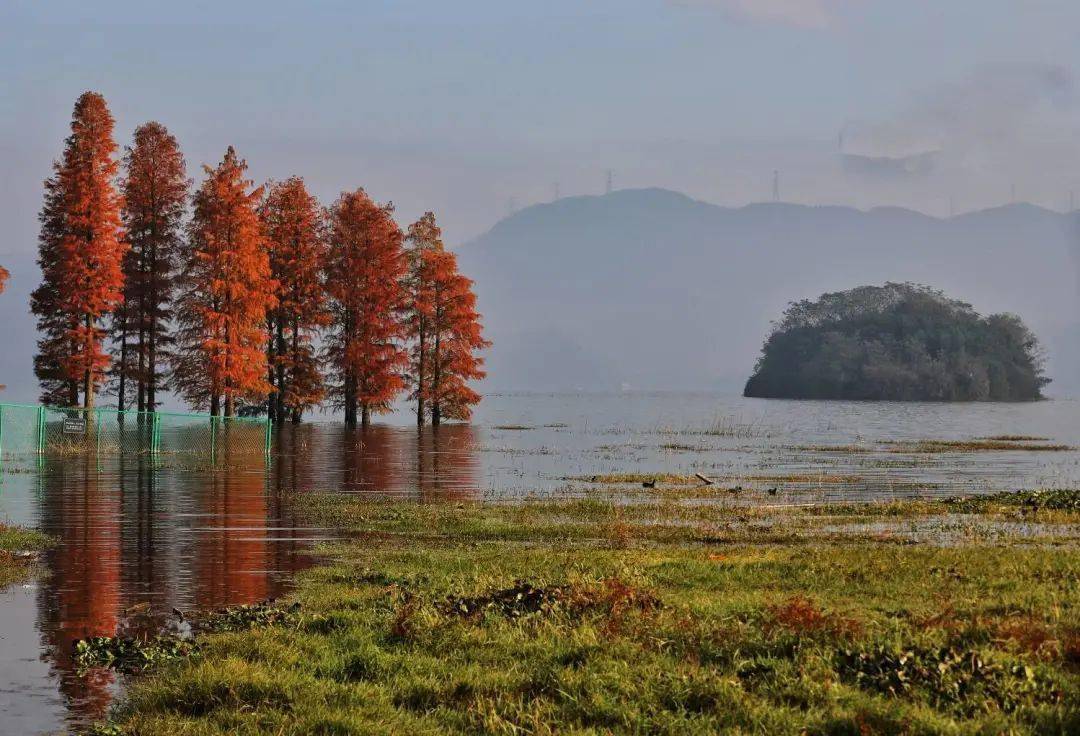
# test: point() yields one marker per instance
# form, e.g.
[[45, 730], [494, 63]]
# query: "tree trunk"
[[151, 366], [279, 397], [120, 389], [215, 404], [140, 397], [436, 379], [420, 366], [275, 388], [365, 415], [297, 410], [350, 400], [88, 373]]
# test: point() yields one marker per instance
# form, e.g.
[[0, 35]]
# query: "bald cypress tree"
[[155, 192], [80, 252], [225, 294]]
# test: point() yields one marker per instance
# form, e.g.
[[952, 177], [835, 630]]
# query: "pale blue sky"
[[461, 106]]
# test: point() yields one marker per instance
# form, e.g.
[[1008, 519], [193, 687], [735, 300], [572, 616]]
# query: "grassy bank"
[[585, 617], [15, 543]]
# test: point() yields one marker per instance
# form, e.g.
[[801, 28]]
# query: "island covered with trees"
[[897, 342]]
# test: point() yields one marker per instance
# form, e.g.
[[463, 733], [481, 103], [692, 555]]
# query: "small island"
[[897, 342]]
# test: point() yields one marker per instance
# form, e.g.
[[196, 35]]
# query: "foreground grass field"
[[15, 544], [593, 618]]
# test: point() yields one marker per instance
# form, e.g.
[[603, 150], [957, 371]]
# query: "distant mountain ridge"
[[652, 289]]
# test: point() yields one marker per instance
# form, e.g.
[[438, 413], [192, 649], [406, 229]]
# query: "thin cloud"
[[1016, 121], [811, 14]]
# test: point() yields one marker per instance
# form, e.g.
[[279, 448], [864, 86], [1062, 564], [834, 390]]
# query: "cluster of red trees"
[[261, 295]]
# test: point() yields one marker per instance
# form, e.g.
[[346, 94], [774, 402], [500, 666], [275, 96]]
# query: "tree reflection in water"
[[138, 536]]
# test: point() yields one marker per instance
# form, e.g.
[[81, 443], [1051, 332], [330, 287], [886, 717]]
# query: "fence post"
[[213, 437], [269, 430], [155, 433], [41, 430], [97, 432]]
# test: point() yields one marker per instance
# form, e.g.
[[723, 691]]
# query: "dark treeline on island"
[[898, 342]]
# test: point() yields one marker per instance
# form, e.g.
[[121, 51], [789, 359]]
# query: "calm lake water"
[[137, 538]]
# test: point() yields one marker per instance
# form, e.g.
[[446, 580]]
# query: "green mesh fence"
[[218, 436], [52, 430]]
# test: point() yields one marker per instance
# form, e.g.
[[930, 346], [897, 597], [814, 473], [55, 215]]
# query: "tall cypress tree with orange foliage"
[[444, 329], [424, 237], [293, 225], [364, 270], [155, 192], [80, 252], [226, 291]]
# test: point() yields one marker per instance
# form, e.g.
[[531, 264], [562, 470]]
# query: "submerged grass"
[[585, 617], [18, 551]]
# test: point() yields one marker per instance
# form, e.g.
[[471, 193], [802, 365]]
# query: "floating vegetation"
[[513, 427], [678, 447], [1050, 500], [845, 449], [134, 654], [130, 655], [1015, 438], [627, 478], [803, 478], [984, 445], [516, 450], [239, 618]]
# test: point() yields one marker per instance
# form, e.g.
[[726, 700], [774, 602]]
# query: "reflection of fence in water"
[[26, 429]]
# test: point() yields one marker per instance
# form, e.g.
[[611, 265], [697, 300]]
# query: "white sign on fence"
[[74, 425]]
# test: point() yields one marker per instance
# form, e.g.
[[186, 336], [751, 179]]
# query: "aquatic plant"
[[130, 655]]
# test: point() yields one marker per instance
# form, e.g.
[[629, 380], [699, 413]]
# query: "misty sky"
[[463, 106]]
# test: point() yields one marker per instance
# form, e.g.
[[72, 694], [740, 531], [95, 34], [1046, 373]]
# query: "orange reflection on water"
[[137, 537], [82, 595]]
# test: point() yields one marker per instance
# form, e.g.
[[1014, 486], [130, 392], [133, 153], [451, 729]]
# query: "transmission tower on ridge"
[[607, 189]]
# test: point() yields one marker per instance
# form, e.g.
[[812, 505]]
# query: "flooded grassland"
[[584, 482], [584, 616]]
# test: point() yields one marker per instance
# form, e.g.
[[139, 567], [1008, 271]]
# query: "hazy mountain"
[[651, 289]]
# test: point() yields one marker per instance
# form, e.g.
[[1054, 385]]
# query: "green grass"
[[13, 540], [590, 618]]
